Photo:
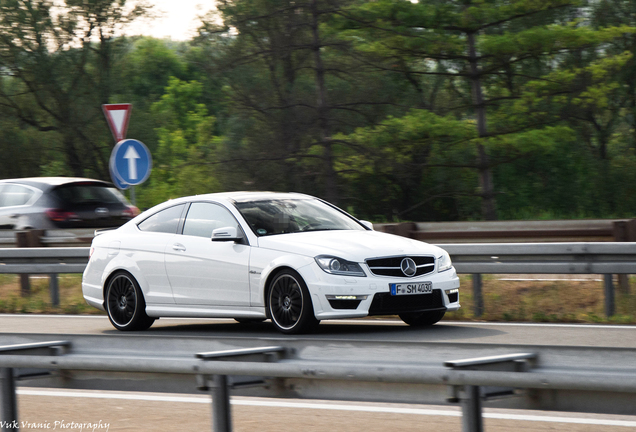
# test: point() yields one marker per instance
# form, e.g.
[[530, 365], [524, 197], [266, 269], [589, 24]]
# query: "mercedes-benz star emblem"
[[408, 267]]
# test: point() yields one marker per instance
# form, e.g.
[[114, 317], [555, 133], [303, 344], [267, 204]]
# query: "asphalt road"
[[368, 330]]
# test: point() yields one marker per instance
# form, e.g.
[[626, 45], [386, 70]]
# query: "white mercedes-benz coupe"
[[292, 258]]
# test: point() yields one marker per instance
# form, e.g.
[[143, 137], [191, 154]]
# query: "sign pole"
[[133, 197]]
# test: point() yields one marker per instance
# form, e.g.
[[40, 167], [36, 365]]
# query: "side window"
[[15, 195], [165, 221], [203, 218]]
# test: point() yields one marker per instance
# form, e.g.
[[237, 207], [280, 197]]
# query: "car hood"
[[350, 245]]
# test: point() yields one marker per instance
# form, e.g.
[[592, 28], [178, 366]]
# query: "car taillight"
[[131, 212], [58, 215]]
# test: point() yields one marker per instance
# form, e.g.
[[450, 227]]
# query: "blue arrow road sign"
[[117, 182], [130, 162]]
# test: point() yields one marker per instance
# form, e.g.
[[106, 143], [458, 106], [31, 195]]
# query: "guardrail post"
[[22, 240], [54, 288], [29, 238], [9, 401], [221, 410], [609, 295], [478, 299], [8, 396], [624, 231], [471, 410], [471, 395]]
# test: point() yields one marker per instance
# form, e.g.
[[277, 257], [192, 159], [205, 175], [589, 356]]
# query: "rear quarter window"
[[164, 221]]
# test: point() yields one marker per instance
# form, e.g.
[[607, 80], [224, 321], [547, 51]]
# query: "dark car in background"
[[62, 202]]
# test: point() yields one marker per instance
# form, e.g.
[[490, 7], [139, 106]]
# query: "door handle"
[[178, 247]]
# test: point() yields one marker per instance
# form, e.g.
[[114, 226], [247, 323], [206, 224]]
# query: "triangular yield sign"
[[117, 116]]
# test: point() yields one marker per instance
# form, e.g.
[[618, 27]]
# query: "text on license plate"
[[411, 288]]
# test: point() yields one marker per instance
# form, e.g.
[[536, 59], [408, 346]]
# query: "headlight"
[[338, 266], [444, 262]]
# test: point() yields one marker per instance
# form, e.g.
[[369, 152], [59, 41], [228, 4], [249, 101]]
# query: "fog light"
[[453, 295], [347, 297]]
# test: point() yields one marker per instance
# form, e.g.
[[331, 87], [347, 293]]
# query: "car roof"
[[46, 182], [245, 196], [222, 197]]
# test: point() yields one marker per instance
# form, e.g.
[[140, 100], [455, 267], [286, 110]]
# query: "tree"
[[56, 64], [186, 146], [292, 88], [504, 59]]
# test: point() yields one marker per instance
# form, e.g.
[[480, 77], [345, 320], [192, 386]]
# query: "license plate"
[[411, 288]]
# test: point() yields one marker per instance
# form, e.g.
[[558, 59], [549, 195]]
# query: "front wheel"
[[289, 304], [125, 304], [421, 319]]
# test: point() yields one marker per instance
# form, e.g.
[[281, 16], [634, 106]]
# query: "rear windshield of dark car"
[[88, 193]]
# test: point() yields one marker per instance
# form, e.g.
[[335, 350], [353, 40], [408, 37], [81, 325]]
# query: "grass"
[[39, 300], [562, 301]]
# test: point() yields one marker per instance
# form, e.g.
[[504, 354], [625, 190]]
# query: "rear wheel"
[[421, 319], [125, 303], [289, 304]]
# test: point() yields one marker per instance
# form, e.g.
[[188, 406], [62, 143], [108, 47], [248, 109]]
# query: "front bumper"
[[351, 297]]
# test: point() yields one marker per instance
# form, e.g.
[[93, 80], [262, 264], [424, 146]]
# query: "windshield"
[[283, 216]]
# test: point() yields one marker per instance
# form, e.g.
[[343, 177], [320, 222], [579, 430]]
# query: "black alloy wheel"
[[125, 304], [289, 304], [421, 319]]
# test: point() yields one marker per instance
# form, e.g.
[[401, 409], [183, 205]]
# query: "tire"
[[422, 319], [289, 304], [125, 303]]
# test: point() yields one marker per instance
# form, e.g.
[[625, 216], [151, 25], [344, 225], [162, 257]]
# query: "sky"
[[178, 21]]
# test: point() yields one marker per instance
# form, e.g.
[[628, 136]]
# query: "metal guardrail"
[[588, 230], [606, 259], [583, 230], [43, 260], [476, 259], [544, 258], [501, 258], [534, 378]]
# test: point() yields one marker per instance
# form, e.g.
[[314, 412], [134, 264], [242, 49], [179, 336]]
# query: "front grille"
[[392, 266], [387, 304], [452, 298]]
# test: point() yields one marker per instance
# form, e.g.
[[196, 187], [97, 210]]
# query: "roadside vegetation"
[[394, 109], [563, 301], [566, 301], [39, 301]]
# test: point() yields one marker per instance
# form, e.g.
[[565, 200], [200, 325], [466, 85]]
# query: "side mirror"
[[367, 224], [226, 234]]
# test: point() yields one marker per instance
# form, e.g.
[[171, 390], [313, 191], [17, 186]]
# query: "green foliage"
[[148, 68], [397, 160], [183, 161], [374, 103]]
